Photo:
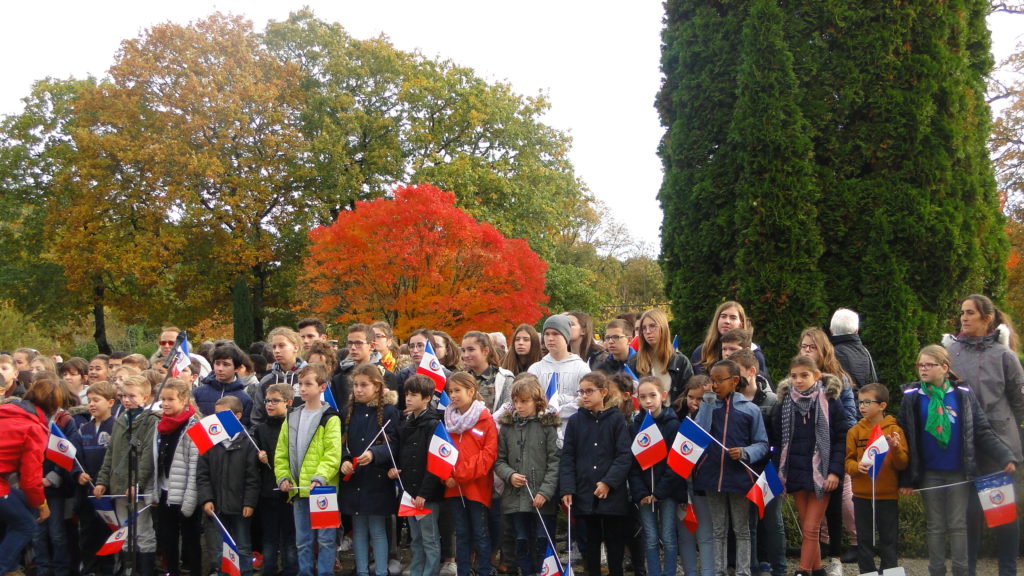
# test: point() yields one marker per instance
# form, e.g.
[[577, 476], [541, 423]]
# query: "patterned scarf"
[[457, 423], [810, 403], [938, 417]]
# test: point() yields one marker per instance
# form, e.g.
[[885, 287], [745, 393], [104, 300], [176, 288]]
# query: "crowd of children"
[[549, 425]]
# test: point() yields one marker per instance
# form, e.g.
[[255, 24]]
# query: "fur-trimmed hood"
[[1001, 334], [833, 386], [509, 417], [390, 397]]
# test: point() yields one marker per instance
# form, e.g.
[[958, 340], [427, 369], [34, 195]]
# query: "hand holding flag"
[[874, 455], [442, 454], [408, 507]]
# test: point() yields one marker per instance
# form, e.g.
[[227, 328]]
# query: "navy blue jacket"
[[414, 437], [799, 476], [667, 484], [596, 449], [212, 390], [737, 423], [369, 490]]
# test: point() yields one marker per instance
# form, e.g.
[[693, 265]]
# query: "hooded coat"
[[369, 490], [206, 396], [801, 449], [22, 444], [528, 446], [596, 449]]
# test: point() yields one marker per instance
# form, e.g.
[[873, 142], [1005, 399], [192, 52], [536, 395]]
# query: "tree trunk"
[[257, 302], [99, 318]]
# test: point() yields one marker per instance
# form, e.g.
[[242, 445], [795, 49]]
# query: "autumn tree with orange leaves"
[[417, 261]]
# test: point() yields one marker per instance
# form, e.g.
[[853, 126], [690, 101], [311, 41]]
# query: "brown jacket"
[[887, 483]]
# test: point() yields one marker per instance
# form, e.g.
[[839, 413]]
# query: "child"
[[74, 371], [95, 434], [658, 490], [318, 427], [873, 400], [426, 489], [593, 470], [809, 430], [229, 486], [528, 458], [285, 344], [469, 487], [224, 381], [736, 423], [559, 360], [113, 476], [278, 522], [940, 419], [368, 494], [735, 340], [177, 463], [703, 538]]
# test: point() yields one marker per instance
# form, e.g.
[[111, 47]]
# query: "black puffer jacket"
[[679, 368], [855, 359], [596, 449], [414, 439]]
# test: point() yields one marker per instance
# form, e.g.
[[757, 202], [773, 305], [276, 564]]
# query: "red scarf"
[[169, 424]]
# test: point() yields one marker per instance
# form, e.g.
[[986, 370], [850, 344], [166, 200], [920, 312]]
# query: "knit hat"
[[559, 322]]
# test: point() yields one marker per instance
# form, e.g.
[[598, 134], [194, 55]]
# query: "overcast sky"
[[597, 62]]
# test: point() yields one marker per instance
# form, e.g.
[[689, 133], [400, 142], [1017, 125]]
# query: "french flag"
[[60, 450], [443, 401], [675, 342], [649, 445], [552, 387], [996, 494], [632, 376], [407, 507], [431, 367], [323, 507], [328, 397], [551, 566], [767, 487], [104, 507], [689, 518], [688, 447], [114, 544], [442, 454], [877, 448], [182, 359], [634, 344], [230, 563], [213, 430]]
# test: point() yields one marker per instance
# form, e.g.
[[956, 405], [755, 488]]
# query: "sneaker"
[[850, 556], [394, 567], [604, 557], [574, 556], [834, 567], [346, 544], [448, 569]]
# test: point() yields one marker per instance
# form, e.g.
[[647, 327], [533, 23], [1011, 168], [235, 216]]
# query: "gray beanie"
[[559, 322]]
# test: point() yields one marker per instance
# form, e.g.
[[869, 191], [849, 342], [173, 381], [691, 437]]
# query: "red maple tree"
[[418, 261]]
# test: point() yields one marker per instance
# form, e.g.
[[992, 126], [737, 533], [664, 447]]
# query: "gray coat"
[[181, 481], [529, 447], [993, 372]]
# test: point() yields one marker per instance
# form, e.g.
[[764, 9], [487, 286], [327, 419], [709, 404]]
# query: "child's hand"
[[906, 491], [247, 511], [864, 467], [1010, 468], [393, 473], [84, 479], [601, 492], [647, 500], [567, 501], [346, 468], [735, 453], [47, 483], [262, 456], [893, 440], [99, 490], [285, 485], [831, 482], [208, 508], [517, 480], [365, 458], [539, 501], [451, 483]]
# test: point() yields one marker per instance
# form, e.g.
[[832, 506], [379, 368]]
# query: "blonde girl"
[[656, 357], [177, 460]]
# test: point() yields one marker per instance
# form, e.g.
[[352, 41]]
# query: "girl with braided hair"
[[368, 494]]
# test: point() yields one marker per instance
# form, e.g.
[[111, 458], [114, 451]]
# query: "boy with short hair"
[[616, 341], [223, 382], [317, 427], [95, 433], [426, 489], [276, 515], [228, 484], [569, 367], [735, 340], [873, 400], [113, 475]]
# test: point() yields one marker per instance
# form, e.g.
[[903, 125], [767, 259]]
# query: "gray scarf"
[[811, 403]]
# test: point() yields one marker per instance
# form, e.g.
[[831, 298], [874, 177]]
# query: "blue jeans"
[[702, 540], [471, 535], [367, 528], [531, 540], [50, 542], [773, 535], [659, 526], [304, 534], [20, 522], [426, 542], [278, 522]]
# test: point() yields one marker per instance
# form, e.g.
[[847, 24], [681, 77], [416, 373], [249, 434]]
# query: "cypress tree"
[[244, 325]]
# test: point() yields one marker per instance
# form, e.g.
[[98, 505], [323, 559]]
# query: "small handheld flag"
[[213, 430], [230, 563], [431, 367], [634, 344], [407, 507], [996, 494], [878, 447], [182, 359], [689, 445], [551, 566], [552, 387], [690, 518], [104, 507], [675, 342], [649, 445], [59, 449], [328, 397], [767, 487], [442, 454], [443, 401], [323, 507], [114, 543]]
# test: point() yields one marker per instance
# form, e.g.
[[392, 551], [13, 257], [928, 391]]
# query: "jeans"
[[612, 531], [945, 512], [304, 534], [171, 525], [50, 542], [810, 509], [701, 541], [240, 531], [471, 535], [426, 542], [20, 522], [729, 508], [367, 529], [278, 537], [886, 520], [531, 540], [772, 536], [1007, 538], [495, 527], [659, 526]]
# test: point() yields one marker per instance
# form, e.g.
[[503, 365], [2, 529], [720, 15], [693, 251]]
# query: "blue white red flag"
[[104, 507], [59, 449], [431, 367], [767, 487], [114, 543], [407, 507], [442, 454], [649, 445], [443, 401], [230, 563], [213, 430], [875, 453], [551, 566], [328, 397], [323, 507], [688, 447], [996, 494], [182, 359], [552, 387]]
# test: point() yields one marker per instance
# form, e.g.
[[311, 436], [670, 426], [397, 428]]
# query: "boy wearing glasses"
[[616, 341], [276, 514], [873, 400], [360, 345]]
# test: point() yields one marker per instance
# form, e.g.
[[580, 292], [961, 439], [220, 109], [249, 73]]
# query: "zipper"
[[725, 434]]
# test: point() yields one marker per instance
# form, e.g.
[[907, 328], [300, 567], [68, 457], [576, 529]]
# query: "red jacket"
[[478, 449], [23, 437]]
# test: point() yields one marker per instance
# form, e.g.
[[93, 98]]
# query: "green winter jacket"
[[319, 460], [114, 471]]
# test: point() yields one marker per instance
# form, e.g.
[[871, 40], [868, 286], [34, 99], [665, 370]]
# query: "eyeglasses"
[[355, 343], [720, 380], [649, 328], [586, 391], [380, 337], [808, 347], [274, 401], [417, 345], [868, 402], [615, 337], [927, 365], [166, 342]]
